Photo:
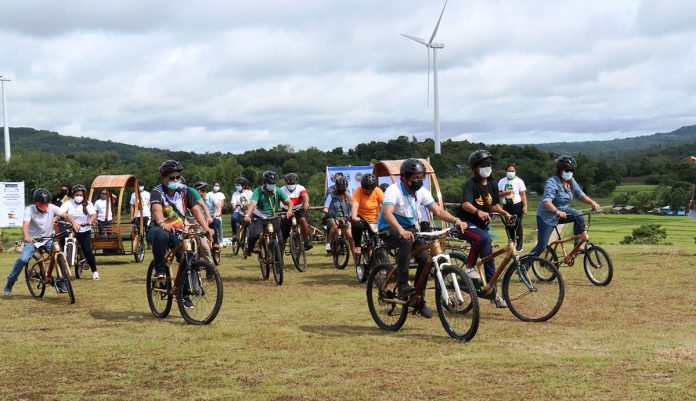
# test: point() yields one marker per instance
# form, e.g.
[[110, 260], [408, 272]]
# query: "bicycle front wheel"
[[35, 281], [340, 251], [297, 252], [159, 293], [65, 273], [382, 300], [598, 266], [199, 298], [216, 253], [529, 298], [235, 245], [457, 304], [263, 259], [276, 256]]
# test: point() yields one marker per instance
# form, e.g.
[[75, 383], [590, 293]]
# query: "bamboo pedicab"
[[119, 238]]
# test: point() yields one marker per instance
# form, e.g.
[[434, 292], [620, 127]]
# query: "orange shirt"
[[368, 206]]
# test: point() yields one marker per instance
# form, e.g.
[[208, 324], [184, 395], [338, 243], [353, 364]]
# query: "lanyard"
[[274, 204]]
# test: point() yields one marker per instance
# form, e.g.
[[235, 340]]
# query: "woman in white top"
[[84, 213], [514, 198]]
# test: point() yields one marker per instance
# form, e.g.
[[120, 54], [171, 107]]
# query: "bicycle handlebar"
[[513, 220]]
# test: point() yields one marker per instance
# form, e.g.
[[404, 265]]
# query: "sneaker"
[[327, 247], [425, 311], [187, 303], [499, 302], [8, 290], [472, 273], [405, 289], [159, 273], [308, 246], [61, 287], [95, 275]]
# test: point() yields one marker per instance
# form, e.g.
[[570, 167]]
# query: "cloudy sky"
[[237, 75]]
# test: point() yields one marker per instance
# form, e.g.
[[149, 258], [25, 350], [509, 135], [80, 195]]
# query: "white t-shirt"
[[100, 205], [516, 185], [240, 197], [145, 197], [76, 211], [41, 224], [406, 207], [211, 199]]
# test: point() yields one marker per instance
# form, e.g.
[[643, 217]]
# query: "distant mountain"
[[616, 147]]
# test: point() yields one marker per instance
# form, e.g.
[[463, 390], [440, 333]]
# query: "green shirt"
[[267, 205]]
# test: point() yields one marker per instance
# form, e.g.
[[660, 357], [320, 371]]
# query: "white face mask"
[[510, 175], [291, 187], [79, 199], [485, 172], [567, 175], [215, 189], [238, 188], [141, 188]]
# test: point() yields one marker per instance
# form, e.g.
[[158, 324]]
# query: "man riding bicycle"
[[365, 207], [300, 199], [399, 221], [265, 203]]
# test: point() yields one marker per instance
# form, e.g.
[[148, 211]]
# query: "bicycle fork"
[[441, 281]]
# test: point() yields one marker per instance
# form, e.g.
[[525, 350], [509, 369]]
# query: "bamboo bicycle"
[[340, 249], [455, 295], [74, 255], [199, 298], [372, 252], [270, 252], [240, 239], [296, 245], [529, 298], [596, 261], [37, 275]]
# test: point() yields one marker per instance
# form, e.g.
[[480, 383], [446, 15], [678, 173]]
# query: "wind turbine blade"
[[427, 47], [419, 40], [432, 37]]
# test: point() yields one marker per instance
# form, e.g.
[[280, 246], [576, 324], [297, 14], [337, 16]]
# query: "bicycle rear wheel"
[[540, 272], [159, 293], [34, 279], [216, 253], [598, 266], [297, 251], [459, 316], [65, 273], [276, 256], [529, 298], [204, 295], [340, 252], [381, 297]]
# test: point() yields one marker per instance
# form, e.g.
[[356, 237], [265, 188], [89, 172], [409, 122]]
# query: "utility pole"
[[4, 116]]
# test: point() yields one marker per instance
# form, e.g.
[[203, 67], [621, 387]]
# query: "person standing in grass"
[[513, 194]]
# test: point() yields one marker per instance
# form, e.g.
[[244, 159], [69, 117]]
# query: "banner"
[[353, 174], [11, 204]]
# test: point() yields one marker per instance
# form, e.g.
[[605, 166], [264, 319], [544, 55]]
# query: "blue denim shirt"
[[561, 198], [335, 202]]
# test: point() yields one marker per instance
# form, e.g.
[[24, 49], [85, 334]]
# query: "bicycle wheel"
[[204, 294], [235, 245], [216, 253], [276, 256], [361, 272], [35, 281], [458, 259], [65, 273], [263, 257], [381, 297], [297, 251], [159, 293], [529, 298], [139, 248], [549, 255], [71, 257], [459, 316], [340, 252], [598, 266]]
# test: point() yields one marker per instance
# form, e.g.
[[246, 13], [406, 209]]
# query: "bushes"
[[647, 234]]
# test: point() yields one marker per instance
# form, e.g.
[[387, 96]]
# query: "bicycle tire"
[[34, 279], [529, 298], [360, 270], [71, 257], [216, 253], [551, 256], [206, 306], [593, 265], [65, 273], [265, 267], [276, 257], [235, 245], [459, 318], [458, 259], [340, 252], [297, 252], [387, 316], [159, 293], [139, 251]]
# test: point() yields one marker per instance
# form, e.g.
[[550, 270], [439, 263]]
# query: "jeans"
[[161, 241], [233, 221], [515, 210], [24, 257], [545, 230], [146, 223], [481, 246], [85, 241], [217, 228], [256, 228], [393, 240]]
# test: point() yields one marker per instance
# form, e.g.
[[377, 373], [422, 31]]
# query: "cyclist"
[[83, 212], [38, 222], [265, 203], [145, 200], [365, 207], [338, 203], [300, 200], [169, 202], [553, 209], [399, 219], [239, 201]]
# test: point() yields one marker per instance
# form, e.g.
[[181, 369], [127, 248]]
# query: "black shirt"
[[472, 193]]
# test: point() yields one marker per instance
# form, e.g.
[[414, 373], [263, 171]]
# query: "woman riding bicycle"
[[84, 212], [365, 207], [480, 198], [337, 204], [553, 209]]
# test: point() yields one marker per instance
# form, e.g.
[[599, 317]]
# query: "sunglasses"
[[174, 178], [569, 171], [417, 179]]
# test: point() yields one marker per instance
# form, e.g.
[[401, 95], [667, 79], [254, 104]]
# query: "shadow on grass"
[[48, 298], [339, 277], [112, 262], [131, 316], [347, 330]]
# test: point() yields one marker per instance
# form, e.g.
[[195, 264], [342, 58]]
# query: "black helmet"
[[201, 185], [478, 156], [41, 195], [291, 178], [368, 181], [170, 166], [78, 187], [383, 186], [341, 183], [412, 166], [242, 181], [566, 162], [270, 176]]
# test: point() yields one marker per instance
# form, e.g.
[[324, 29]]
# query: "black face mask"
[[415, 186], [340, 191]]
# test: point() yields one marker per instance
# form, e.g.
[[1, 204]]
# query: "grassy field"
[[313, 338]]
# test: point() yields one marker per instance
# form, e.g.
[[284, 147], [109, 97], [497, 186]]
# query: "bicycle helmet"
[[478, 156], [368, 182], [341, 183], [41, 195], [242, 181], [566, 162], [170, 166], [384, 186], [291, 178], [78, 187], [412, 166], [270, 176], [201, 185]]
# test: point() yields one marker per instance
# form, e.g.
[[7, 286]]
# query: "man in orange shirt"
[[366, 206]]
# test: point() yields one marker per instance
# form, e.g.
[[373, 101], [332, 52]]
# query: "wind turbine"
[[436, 100]]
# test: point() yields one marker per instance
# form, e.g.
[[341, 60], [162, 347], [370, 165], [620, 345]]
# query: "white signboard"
[[11, 204]]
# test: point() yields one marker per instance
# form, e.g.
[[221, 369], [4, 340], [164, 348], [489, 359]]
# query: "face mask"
[[215, 189], [238, 188], [103, 196], [42, 207], [510, 175], [174, 185], [291, 187], [141, 188], [415, 186], [340, 191], [270, 187], [485, 172], [63, 192], [567, 175], [79, 199]]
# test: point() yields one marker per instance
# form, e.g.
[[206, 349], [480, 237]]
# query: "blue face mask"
[[174, 185], [270, 187], [567, 175], [238, 188]]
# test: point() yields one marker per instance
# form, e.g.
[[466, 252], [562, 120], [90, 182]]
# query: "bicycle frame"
[[188, 247], [582, 238], [41, 257], [510, 252], [268, 231]]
